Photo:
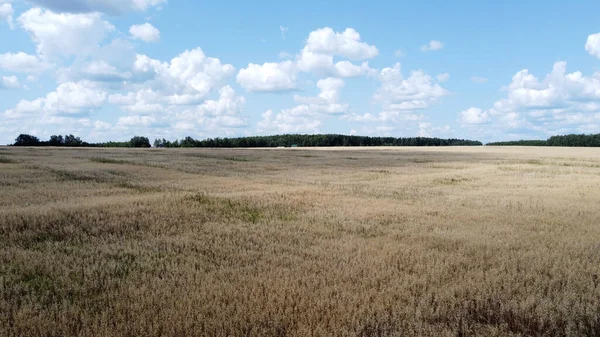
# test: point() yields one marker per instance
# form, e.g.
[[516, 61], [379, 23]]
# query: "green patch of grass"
[[230, 158], [137, 188], [4, 160], [229, 208], [422, 161], [452, 181], [351, 158], [535, 162], [108, 160], [243, 209], [242, 159]]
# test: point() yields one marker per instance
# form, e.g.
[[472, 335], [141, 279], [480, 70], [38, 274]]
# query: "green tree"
[[138, 141], [27, 140]]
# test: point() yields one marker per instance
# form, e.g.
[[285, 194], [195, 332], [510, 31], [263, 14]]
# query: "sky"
[[112, 69]]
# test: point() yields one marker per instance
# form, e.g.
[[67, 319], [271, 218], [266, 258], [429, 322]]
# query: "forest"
[[571, 140], [293, 140], [287, 140]]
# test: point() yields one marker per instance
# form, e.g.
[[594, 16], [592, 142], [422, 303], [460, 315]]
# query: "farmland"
[[296, 242]]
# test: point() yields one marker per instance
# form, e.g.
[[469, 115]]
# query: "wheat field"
[[475, 241]]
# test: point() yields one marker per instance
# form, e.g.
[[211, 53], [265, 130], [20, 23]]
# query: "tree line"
[[73, 141], [289, 140], [571, 140], [286, 140]]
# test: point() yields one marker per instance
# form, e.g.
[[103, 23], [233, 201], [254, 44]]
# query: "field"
[[295, 242]]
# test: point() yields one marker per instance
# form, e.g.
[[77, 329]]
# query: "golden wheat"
[[295, 242]]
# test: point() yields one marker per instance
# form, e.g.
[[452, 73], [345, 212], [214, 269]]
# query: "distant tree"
[[188, 142], [138, 141], [26, 140], [56, 140], [71, 140]]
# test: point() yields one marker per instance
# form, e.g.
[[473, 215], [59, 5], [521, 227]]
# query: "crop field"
[[461, 241]]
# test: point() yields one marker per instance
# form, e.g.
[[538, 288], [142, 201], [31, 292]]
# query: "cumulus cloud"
[[324, 44], [6, 13], [288, 121], [592, 45], [347, 44], [399, 53], [22, 63], [102, 71], [114, 7], [64, 34], [317, 57], [269, 77], [284, 55], [473, 116], [417, 90], [327, 102], [401, 98], [306, 117], [9, 82], [144, 121], [145, 32], [187, 79], [68, 99], [561, 101], [223, 113], [443, 77], [433, 45]]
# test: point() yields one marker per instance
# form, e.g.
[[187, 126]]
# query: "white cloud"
[[227, 104], [144, 101], [283, 55], [223, 113], [327, 102], [269, 77], [473, 116], [288, 121], [348, 44], [22, 63], [64, 34], [592, 45], [443, 77], [114, 7], [145, 32], [322, 65], [187, 80], [283, 30], [401, 97], [102, 71], [478, 79], [428, 130], [418, 88], [100, 125], [399, 53], [324, 44], [144, 121], [433, 45], [6, 12], [68, 98], [307, 116], [9, 82], [561, 102]]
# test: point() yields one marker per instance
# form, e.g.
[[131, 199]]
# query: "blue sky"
[[111, 69]]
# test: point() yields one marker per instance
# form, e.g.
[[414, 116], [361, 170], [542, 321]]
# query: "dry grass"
[[371, 242]]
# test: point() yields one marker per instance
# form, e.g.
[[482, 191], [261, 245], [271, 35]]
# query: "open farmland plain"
[[297, 242]]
